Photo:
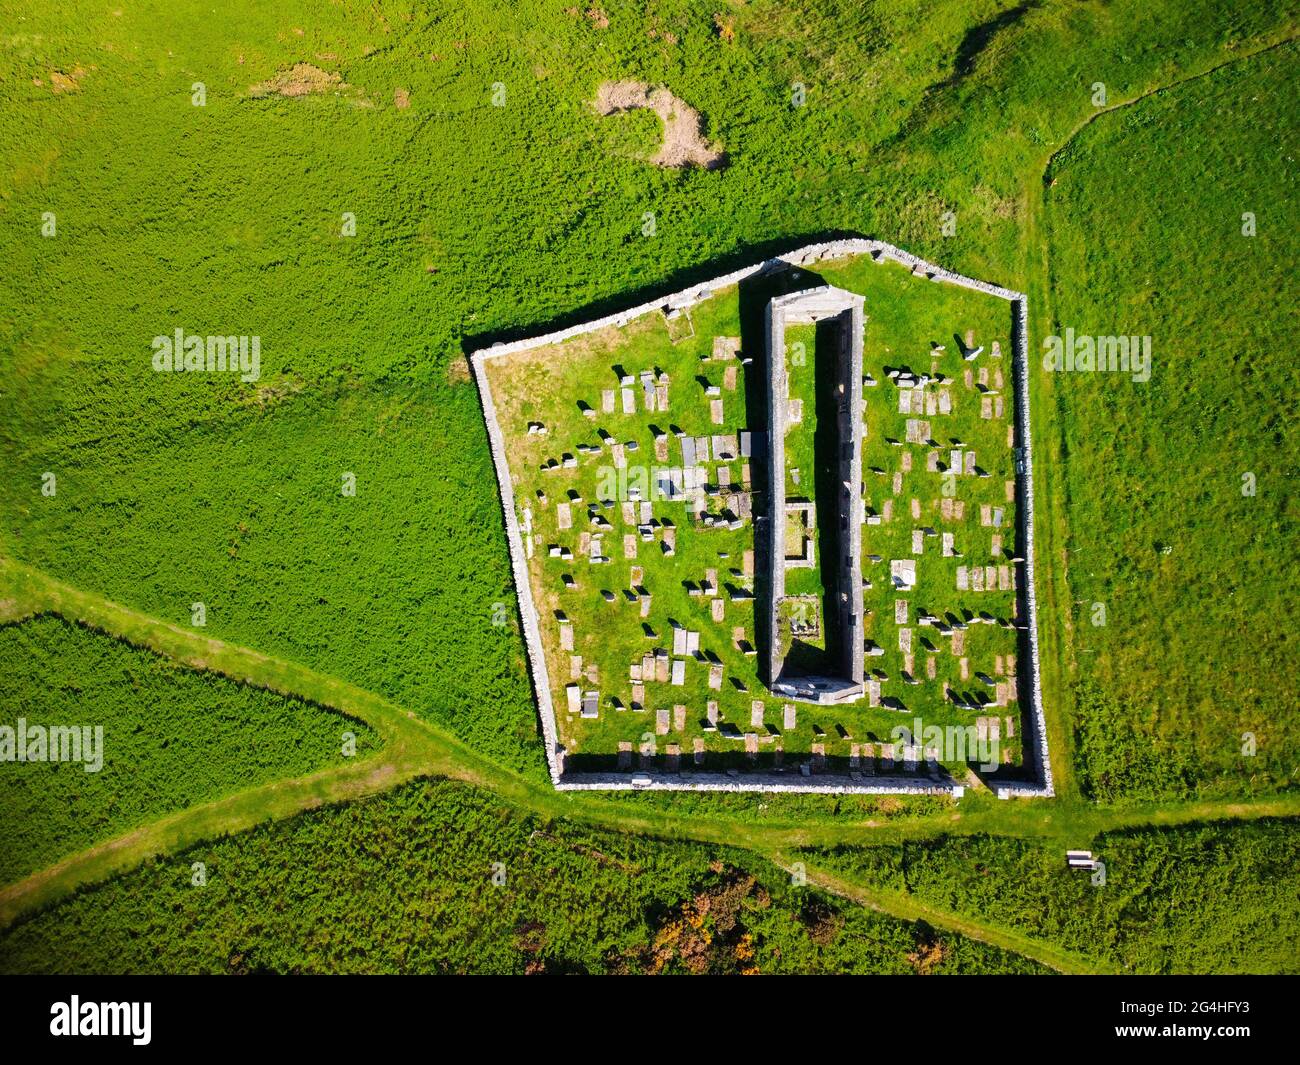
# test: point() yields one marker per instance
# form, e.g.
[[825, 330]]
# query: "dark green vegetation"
[[1182, 520], [405, 883], [172, 738], [1198, 899]]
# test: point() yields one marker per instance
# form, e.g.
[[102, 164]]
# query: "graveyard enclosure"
[[768, 533]]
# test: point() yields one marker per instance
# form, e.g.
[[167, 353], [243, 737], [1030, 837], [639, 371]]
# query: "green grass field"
[[1181, 524], [171, 739], [1203, 898], [146, 186], [158, 472]]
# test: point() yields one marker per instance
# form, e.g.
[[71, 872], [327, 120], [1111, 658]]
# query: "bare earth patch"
[[272, 392], [11, 611], [69, 82], [684, 142], [302, 79]]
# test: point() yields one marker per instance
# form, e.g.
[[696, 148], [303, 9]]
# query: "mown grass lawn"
[[585, 471]]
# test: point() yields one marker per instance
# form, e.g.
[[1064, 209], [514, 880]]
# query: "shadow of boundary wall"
[[755, 293], [832, 768], [707, 271], [828, 447], [1029, 693]]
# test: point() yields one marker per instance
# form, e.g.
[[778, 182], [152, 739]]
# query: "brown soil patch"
[[273, 392], [684, 142], [71, 82], [595, 15], [458, 370], [401, 99], [302, 79]]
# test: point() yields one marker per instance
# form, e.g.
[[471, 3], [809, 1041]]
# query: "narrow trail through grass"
[[1058, 659], [414, 748], [909, 908]]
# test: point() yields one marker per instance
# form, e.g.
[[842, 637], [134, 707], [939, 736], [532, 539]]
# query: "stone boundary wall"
[[1042, 763], [822, 784], [519, 567], [1037, 755], [832, 306], [778, 416]]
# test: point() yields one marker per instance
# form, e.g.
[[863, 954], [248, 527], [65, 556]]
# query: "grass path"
[[1057, 659], [415, 748], [909, 908], [1267, 44]]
